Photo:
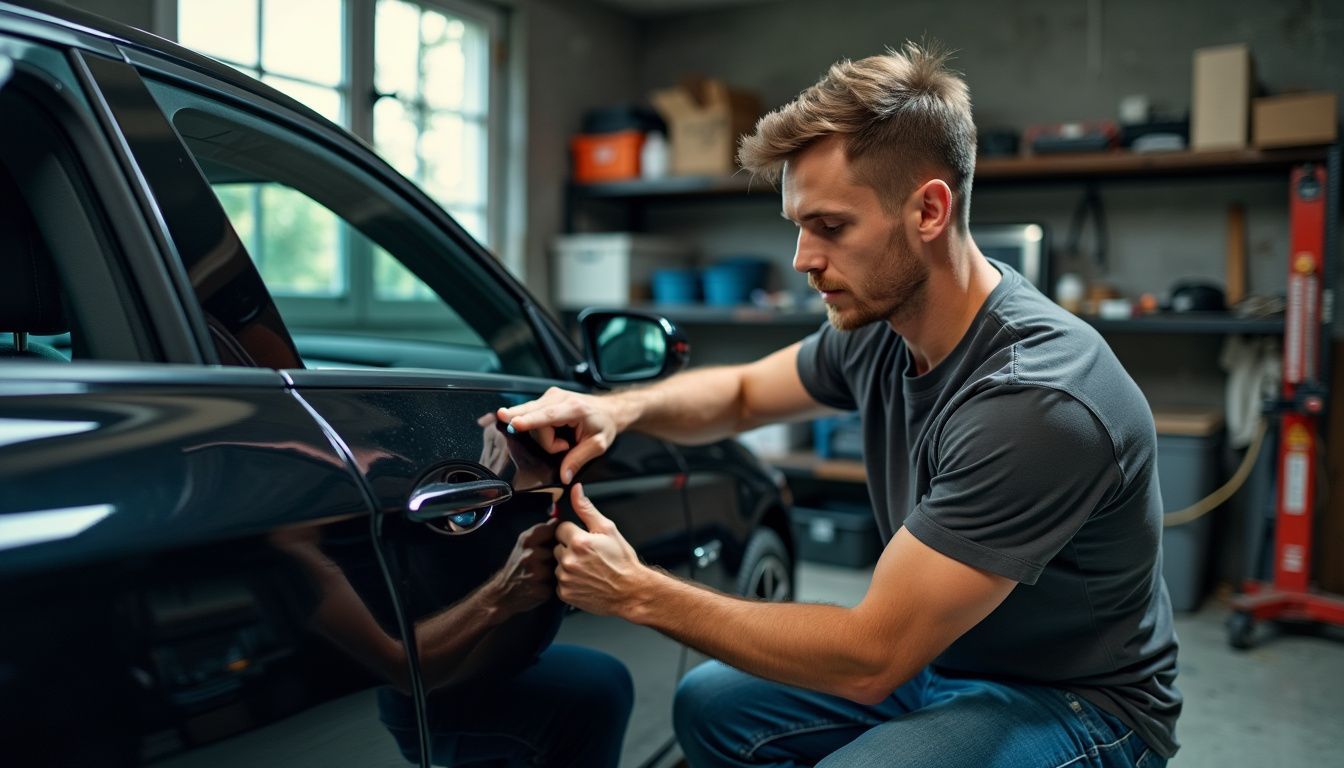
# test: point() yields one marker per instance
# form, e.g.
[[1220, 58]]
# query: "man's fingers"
[[566, 532], [525, 409], [587, 450], [546, 438], [587, 511]]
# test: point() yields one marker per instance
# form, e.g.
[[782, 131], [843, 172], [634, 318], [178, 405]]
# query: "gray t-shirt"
[[1030, 453]]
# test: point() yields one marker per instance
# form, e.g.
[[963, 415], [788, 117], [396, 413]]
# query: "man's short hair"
[[905, 118]]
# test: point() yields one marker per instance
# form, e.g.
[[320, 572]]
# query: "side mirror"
[[627, 347]]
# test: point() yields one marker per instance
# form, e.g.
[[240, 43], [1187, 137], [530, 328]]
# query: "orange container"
[[606, 156]]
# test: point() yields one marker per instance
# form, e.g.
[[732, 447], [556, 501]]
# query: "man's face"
[[853, 251]]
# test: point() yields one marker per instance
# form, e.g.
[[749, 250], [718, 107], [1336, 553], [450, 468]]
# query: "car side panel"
[[187, 576]]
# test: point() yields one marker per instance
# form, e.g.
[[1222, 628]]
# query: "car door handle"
[[466, 506]]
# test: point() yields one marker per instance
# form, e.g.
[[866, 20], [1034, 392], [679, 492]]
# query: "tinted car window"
[[321, 208], [63, 295]]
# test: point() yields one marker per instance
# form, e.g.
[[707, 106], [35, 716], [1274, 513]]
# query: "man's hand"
[[592, 418], [596, 570], [527, 579]]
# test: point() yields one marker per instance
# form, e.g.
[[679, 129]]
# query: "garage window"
[[419, 89]]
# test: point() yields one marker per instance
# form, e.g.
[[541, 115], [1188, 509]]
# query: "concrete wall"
[[578, 55], [1026, 61]]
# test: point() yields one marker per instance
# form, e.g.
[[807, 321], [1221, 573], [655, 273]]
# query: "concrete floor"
[[1280, 704]]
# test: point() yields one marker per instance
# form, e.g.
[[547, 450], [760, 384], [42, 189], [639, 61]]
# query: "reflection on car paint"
[[22, 529]]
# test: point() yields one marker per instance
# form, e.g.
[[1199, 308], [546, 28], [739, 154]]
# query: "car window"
[[64, 295], [319, 226]]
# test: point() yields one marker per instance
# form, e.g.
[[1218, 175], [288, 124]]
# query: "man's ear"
[[934, 201]]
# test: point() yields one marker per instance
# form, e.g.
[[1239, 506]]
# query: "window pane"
[[396, 36], [324, 101], [302, 38], [444, 62], [395, 135], [299, 251], [394, 282], [237, 200], [453, 153], [225, 29]]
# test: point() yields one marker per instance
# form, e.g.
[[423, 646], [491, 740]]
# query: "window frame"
[[359, 307]]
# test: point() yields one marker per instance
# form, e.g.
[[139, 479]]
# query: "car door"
[[187, 565], [453, 492]]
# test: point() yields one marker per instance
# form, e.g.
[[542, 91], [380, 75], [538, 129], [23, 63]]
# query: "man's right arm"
[[696, 407]]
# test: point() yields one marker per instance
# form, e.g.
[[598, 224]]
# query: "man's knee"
[[705, 709]]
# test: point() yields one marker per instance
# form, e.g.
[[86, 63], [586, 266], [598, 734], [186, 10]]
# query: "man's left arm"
[[919, 601]]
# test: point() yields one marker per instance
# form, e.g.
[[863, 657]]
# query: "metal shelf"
[[739, 315], [1208, 323], [1080, 166]]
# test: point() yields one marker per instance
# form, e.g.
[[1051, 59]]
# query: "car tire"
[[767, 568]]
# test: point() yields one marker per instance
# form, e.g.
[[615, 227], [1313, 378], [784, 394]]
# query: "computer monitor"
[[1024, 247]]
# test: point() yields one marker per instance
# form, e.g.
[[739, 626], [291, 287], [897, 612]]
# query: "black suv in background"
[[226, 540]]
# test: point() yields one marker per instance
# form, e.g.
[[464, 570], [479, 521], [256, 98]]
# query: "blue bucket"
[[731, 282], [676, 286]]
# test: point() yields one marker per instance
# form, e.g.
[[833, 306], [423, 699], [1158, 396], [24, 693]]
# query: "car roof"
[[61, 23]]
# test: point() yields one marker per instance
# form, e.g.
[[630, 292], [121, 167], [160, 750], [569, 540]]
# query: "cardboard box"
[[1221, 103], [612, 269], [1296, 120], [704, 120]]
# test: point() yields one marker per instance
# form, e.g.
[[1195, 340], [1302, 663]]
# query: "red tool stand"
[[1290, 596]]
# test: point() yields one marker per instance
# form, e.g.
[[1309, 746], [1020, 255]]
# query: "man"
[[1017, 615]]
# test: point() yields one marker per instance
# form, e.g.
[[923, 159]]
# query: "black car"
[[219, 533]]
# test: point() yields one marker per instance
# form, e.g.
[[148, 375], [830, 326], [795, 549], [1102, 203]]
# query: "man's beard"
[[893, 291]]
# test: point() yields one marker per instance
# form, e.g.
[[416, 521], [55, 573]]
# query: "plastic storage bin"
[[606, 156], [676, 286], [611, 269], [1187, 465], [839, 534], [731, 282]]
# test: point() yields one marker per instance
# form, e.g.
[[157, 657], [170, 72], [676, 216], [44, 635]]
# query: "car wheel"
[[767, 569]]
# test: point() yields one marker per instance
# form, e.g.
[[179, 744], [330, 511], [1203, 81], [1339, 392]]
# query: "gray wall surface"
[[579, 55], [1025, 61]]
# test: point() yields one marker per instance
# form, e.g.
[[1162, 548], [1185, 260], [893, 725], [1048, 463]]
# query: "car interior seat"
[[30, 291]]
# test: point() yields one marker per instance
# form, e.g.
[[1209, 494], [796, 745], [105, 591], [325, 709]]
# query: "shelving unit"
[[1098, 166], [1118, 166], [1208, 323]]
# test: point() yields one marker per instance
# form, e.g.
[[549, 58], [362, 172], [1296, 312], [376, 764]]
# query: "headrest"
[[30, 294]]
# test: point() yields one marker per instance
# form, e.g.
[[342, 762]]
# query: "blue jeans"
[[725, 719], [567, 710]]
